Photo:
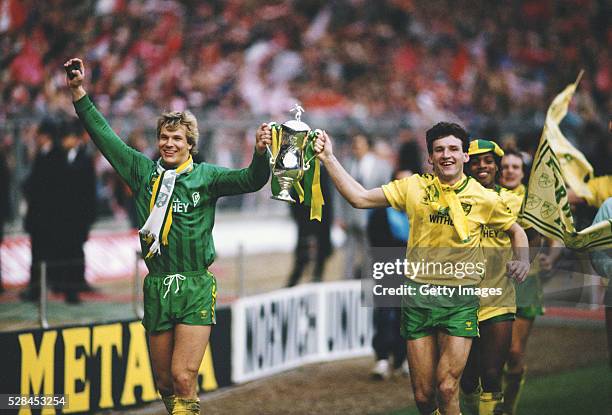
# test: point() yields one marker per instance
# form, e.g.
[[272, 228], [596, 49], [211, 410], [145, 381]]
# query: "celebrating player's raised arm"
[[123, 158], [349, 188]]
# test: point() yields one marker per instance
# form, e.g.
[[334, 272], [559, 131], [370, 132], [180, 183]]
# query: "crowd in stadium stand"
[[492, 66]]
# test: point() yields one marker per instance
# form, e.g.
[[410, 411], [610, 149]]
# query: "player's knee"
[[183, 382], [448, 388]]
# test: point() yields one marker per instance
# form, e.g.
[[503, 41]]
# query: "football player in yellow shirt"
[[446, 210], [529, 294], [481, 383]]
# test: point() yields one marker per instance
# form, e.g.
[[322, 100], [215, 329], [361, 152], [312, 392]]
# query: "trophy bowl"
[[288, 164]]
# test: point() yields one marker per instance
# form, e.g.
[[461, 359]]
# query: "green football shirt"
[[190, 243]]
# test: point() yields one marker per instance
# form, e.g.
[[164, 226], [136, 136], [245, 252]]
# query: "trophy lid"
[[297, 124]]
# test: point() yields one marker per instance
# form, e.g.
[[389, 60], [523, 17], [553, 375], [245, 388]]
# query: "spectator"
[[37, 192], [61, 208], [388, 228], [370, 171], [75, 197]]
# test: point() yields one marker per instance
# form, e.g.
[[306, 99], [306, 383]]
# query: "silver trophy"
[[287, 162]]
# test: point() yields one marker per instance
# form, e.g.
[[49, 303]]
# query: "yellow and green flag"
[[546, 206], [574, 165]]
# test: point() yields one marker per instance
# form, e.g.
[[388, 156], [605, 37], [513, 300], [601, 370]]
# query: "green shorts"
[[424, 316], [181, 298], [530, 312], [530, 298]]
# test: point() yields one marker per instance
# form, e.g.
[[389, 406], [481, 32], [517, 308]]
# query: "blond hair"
[[174, 119]]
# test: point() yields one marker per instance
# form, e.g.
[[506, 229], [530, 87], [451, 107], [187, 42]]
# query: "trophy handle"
[[312, 135], [307, 163], [271, 124], [270, 153]]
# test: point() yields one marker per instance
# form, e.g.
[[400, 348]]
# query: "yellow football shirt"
[[498, 251], [601, 188], [519, 191], [492, 238], [434, 244]]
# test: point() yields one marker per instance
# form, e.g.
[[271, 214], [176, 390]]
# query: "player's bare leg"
[[190, 343], [515, 370], [470, 387], [422, 359], [454, 352], [521, 328], [161, 346], [495, 341]]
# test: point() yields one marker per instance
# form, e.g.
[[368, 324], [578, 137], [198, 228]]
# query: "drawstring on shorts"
[[171, 279]]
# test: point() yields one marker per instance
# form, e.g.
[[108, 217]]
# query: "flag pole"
[[579, 78]]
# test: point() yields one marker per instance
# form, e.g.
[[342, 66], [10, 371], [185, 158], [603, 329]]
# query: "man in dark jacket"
[[313, 231], [74, 211], [38, 192], [61, 209]]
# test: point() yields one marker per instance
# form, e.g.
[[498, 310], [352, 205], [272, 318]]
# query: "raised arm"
[[124, 159], [358, 196]]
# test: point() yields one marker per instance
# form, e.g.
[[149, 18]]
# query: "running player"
[[175, 201], [529, 294], [481, 383], [445, 209]]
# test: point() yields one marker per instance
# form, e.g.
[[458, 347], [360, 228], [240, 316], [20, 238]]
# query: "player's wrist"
[[327, 158], [77, 93], [260, 151]]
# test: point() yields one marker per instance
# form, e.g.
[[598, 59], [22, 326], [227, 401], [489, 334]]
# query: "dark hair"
[[48, 126], [444, 129], [367, 138], [71, 126]]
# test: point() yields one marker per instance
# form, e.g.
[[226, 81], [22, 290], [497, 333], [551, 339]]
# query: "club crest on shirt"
[[431, 194], [152, 179], [195, 196], [444, 210]]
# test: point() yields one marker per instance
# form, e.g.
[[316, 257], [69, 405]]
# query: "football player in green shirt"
[[175, 203]]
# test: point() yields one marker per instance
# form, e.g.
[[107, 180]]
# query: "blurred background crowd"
[[388, 69]]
